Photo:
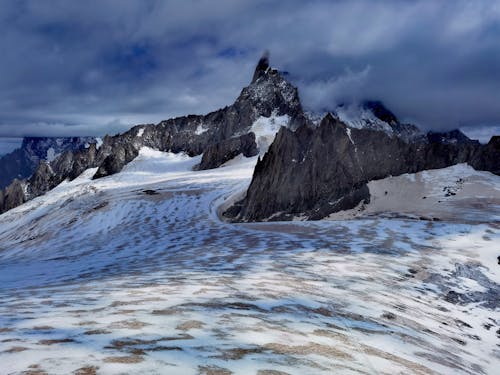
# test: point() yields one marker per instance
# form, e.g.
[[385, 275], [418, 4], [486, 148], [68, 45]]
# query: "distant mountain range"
[[311, 169], [23, 161]]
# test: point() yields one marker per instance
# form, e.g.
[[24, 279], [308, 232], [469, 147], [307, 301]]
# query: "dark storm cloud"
[[97, 66]]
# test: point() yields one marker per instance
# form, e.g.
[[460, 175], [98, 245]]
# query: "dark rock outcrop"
[[488, 158], [451, 137], [13, 195], [380, 111], [262, 67], [114, 163], [315, 172], [219, 153]]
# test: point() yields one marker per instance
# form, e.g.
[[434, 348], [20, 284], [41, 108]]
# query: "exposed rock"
[[381, 111], [488, 158], [315, 172], [217, 154], [372, 114], [262, 67], [451, 137], [114, 163], [13, 195]]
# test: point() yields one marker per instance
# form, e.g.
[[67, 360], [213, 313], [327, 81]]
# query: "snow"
[[265, 129], [138, 268], [200, 129], [98, 142], [457, 193], [140, 132], [355, 116], [51, 154]]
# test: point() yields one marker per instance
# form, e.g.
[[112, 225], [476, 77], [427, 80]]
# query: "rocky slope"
[[314, 172], [222, 134], [22, 162]]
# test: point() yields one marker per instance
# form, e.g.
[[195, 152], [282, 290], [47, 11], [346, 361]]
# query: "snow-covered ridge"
[[266, 128], [358, 117]]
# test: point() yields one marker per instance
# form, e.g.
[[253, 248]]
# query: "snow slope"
[[457, 193], [135, 273]]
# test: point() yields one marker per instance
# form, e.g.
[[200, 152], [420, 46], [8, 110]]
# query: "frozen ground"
[[135, 273]]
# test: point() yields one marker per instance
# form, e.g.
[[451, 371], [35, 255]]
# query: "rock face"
[[219, 135], [13, 195], [489, 157], [22, 162], [315, 172], [219, 153]]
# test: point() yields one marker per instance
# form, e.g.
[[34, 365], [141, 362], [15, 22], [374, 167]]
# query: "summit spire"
[[262, 66]]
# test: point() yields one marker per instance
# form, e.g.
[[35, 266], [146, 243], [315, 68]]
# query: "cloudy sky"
[[98, 66]]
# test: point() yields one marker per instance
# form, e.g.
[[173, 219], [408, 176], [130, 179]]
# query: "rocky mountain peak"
[[262, 67], [270, 94]]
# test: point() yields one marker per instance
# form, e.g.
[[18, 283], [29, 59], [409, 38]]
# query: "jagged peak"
[[262, 67]]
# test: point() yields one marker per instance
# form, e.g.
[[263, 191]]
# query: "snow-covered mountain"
[[22, 162], [221, 135], [373, 115]]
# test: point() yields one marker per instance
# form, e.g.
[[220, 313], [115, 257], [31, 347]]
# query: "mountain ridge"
[[22, 162], [268, 94], [314, 172], [225, 133]]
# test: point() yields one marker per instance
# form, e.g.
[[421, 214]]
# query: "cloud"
[[101, 66]]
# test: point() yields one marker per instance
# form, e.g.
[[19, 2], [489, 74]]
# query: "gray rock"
[[217, 154], [13, 195], [114, 163]]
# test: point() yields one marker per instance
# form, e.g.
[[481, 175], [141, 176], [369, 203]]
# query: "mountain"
[[310, 169], [22, 162], [314, 172], [136, 273], [374, 115], [220, 135]]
